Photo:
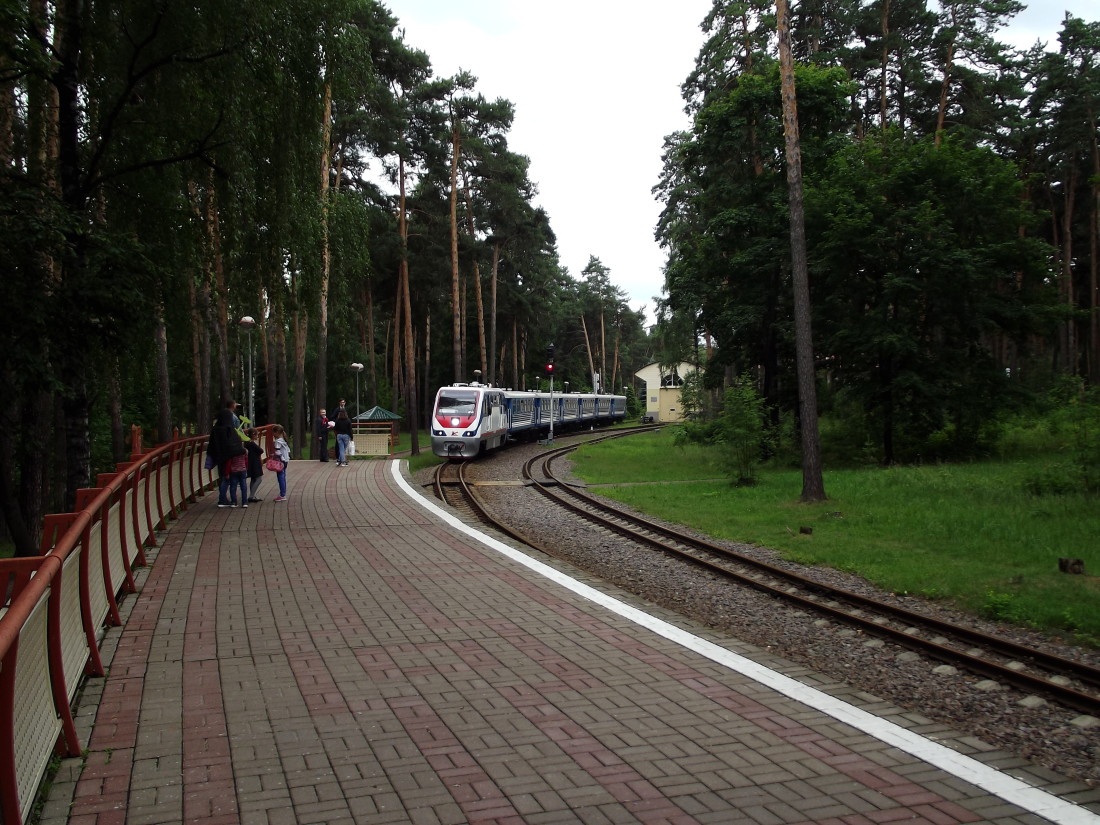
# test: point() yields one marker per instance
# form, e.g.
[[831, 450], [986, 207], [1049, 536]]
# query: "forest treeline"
[[171, 167], [951, 187]]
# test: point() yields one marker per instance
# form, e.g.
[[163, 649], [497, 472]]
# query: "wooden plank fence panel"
[[37, 725]]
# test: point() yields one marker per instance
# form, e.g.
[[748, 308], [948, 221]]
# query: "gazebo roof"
[[377, 414]]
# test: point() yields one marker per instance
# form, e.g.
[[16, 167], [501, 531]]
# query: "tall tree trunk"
[[1094, 252], [397, 326], [615, 359], [411, 405], [463, 320], [523, 338], [456, 335], [201, 408], [813, 483], [478, 300], [1069, 336], [402, 303], [119, 449], [267, 350], [588, 349], [198, 291], [886, 401], [164, 396], [373, 394], [220, 292], [302, 432], [428, 394], [493, 314], [516, 382], [884, 63], [603, 354], [945, 86], [7, 99], [21, 499], [68, 52], [282, 365], [320, 380], [25, 456]]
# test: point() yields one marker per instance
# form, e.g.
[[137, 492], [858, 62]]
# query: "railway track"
[[452, 486], [1071, 683]]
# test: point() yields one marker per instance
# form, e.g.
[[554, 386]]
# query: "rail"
[[53, 606]]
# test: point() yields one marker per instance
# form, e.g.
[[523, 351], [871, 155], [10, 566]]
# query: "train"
[[471, 419]]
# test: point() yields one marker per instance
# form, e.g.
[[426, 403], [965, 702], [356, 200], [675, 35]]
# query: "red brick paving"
[[341, 657]]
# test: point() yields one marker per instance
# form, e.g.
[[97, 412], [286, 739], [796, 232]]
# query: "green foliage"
[[634, 406], [696, 401], [663, 455], [911, 284], [931, 278], [738, 433], [969, 533], [1086, 442], [1001, 607]]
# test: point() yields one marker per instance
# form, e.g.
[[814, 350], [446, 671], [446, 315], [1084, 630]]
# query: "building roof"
[[377, 414]]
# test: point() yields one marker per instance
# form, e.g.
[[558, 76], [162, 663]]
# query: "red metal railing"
[[58, 602]]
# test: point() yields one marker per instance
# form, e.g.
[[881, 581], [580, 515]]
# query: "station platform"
[[357, 654]]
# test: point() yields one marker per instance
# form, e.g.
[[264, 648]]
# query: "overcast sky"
[[596, 86]]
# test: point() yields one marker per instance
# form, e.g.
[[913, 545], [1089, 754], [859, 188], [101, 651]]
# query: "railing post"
[[135, 442]]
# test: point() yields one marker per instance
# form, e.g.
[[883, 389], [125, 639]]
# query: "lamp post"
[[357, 368], [247, 323]]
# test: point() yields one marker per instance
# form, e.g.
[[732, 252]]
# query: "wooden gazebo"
[[375, 431]]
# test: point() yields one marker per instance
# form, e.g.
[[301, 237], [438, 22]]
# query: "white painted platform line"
[[1028, 797]]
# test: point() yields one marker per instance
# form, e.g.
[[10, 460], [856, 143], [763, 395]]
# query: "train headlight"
[[454, 422]]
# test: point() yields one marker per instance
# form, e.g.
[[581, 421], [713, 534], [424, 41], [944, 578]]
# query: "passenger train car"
[[469, 419]]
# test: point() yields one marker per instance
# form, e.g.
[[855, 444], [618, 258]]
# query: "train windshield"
[[456, 408]]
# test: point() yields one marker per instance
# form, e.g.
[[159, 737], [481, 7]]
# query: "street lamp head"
[[247, 322], [356, 366]]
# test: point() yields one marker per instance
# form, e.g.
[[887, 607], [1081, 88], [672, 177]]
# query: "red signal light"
[[550, 367]]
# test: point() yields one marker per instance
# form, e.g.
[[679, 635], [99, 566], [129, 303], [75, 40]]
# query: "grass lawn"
[[970, 534]]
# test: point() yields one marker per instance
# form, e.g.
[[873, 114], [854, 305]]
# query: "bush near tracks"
[[985, 536]]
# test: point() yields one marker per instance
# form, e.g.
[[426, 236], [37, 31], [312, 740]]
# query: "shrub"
[[738, 432]]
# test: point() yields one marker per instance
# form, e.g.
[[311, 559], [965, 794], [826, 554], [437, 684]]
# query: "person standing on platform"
[[238, 478], [255, 464], [320, 431], [343, 436], [282, 451], [225, 444]]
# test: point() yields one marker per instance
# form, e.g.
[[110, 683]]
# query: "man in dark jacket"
[[225, 443], [321, 429]]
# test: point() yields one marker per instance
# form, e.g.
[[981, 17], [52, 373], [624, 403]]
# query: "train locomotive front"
[[466, 419]]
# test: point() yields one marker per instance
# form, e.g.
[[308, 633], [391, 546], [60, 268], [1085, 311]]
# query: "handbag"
[[210, 463], [276, 465]]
